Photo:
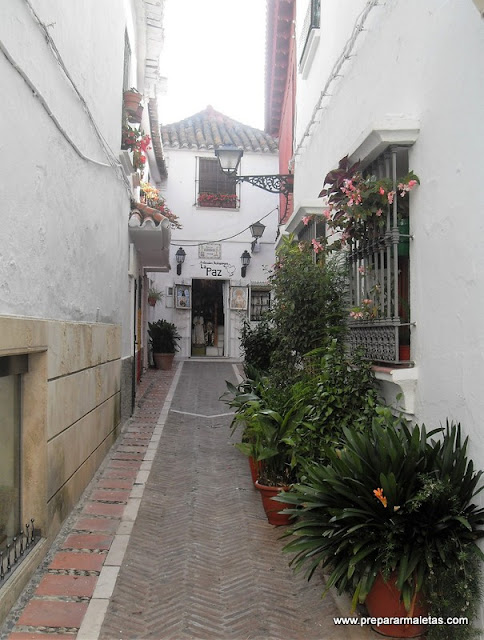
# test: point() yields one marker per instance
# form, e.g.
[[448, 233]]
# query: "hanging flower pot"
[[273, 507], [132, 99], [136, 117], [384, 601]]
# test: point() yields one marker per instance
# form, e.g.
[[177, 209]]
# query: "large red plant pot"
[[272, 507], [383, 601], [132, 101], [163, 360], [255, 468]]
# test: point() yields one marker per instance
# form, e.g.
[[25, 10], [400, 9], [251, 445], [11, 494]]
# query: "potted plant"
[[164, 338], [391, 509], [132, 98], [266, 439], [154, 296], [151, 195]]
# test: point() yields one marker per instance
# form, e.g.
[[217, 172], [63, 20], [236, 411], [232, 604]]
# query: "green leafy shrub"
[[268, 421], [164, 336], [392, 500], [337, 391], [257, 342], [455, 591], [309, 307], [285, 428]]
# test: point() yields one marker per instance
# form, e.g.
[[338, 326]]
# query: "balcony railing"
[[379, 288]]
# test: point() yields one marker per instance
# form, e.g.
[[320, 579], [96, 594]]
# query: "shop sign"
[[212, 251], [214, 269]]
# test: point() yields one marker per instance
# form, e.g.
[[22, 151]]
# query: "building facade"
[[209, 295], [71, 264], [389, 85]]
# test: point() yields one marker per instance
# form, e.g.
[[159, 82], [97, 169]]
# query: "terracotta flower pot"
[[137, 116], [404, 352], [131, 101], [383, 601], [255, 468], [152, 302], [273, 507], [163, 360]]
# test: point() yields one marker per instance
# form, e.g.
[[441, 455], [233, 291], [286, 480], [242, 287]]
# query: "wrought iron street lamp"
[[256, 229], [245, 259], [180, 259], [229, 158]]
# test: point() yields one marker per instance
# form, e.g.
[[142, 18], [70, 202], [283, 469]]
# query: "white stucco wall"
[[201, 224], [64, 219], [419, 61], [421, 72]]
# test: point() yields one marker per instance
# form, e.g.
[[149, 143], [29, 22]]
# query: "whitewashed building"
[[210, 294], [393, 76], [404, 78], [71, 265]]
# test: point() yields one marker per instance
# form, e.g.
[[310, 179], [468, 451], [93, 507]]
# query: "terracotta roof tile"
[[209, 129], [143, 216]]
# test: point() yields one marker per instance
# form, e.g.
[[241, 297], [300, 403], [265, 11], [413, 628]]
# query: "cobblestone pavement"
[[170, 540]]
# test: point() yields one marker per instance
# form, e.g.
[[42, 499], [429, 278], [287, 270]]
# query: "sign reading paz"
[[217, 269]]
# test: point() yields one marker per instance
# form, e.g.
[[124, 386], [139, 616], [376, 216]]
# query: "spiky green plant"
[[391, 500]]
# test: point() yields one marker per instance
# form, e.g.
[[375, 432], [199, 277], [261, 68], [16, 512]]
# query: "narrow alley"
[[170, 539]]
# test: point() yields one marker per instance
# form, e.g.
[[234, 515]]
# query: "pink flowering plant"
[[368, 310], [357, 203]]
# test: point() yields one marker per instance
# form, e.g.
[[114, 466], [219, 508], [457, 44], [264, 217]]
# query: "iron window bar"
[[14, 551], [374, 271]]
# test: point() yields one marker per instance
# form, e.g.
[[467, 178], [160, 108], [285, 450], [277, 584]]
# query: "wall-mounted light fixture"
[[245, 259], [229, 158], [180, 259], [256, 229]]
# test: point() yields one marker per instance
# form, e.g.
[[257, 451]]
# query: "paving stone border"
[[55, 601]]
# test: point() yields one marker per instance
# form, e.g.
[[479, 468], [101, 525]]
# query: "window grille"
[[215, 189], [379, 274], [315, 229], [260, 303]]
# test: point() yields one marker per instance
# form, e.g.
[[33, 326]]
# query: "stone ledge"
[[394, 382]]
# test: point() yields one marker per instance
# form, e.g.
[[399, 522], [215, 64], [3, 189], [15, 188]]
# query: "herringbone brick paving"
[[56, 599], [203, 562]]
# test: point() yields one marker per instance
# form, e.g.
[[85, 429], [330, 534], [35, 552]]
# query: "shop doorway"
[[208, 319]]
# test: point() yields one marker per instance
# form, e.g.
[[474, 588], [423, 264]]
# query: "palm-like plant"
[[391, 501], [267, 432]]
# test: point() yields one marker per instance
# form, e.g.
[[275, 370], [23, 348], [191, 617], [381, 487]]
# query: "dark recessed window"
[[215, 189]]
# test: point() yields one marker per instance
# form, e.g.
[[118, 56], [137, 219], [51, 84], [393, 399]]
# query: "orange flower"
[[379, 494]]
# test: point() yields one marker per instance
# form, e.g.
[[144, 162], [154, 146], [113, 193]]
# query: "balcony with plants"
[[367, 215]]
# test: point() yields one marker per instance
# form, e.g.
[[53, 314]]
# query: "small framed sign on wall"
[[183, 296], [238, 298]]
